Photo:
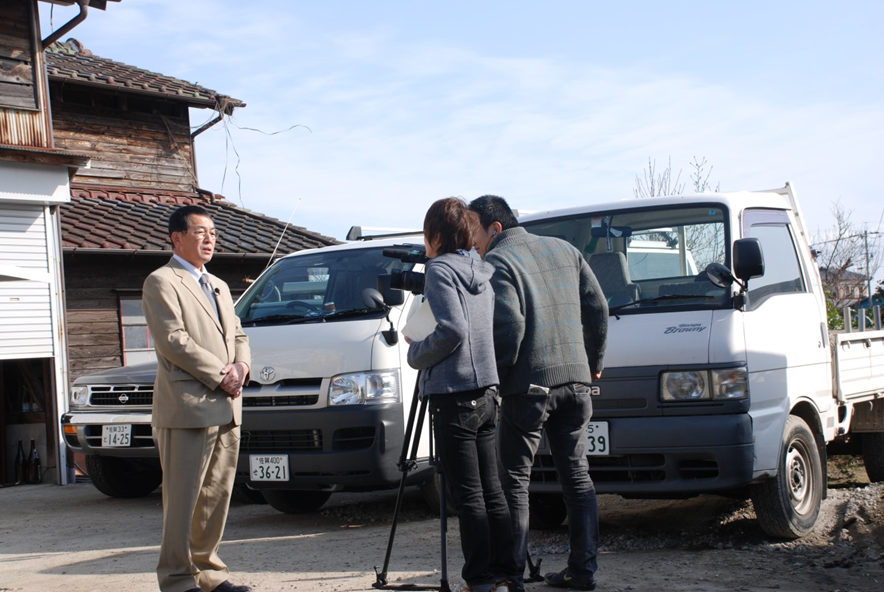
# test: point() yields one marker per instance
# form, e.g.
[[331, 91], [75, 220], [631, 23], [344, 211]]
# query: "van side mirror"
[[748, 259], [371, 298], [391, 296]]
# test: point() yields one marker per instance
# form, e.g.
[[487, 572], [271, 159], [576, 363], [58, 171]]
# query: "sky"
[[370, 111]]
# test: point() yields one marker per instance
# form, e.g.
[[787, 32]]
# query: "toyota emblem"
[[124, 398], [267, 373]]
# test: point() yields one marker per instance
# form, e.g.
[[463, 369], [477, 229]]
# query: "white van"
[[330, 389]]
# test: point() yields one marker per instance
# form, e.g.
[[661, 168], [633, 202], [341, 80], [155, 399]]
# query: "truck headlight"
[[730, 383], [719, 384], [364, 387], [79, 395], [687, 385]]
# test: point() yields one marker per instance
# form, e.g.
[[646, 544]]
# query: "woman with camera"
[[459, 374]]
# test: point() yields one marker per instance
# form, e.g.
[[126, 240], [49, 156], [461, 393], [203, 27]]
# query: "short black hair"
[[179, 221], [491, 209]]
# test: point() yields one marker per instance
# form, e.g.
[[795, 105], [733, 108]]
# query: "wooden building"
[[94, 156], [135, 125], [34, 183]]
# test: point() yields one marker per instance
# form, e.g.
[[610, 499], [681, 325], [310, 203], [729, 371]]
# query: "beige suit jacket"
[[192, 347]]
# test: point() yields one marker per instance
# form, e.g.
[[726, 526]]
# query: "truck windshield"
[[650, 258], [324, 285]]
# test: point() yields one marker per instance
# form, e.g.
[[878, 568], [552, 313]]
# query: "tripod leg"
[[534, 570], [404, 465], [443, 512]]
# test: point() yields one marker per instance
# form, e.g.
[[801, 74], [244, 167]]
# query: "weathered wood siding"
[[16, 56], [94, 284], [21, 121], [133, 142]]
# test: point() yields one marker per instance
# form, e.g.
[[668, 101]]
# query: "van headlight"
[[364, 388], [716, 384], [79, 395]]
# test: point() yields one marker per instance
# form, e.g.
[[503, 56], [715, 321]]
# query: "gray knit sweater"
[[550, 315], [459, 354]]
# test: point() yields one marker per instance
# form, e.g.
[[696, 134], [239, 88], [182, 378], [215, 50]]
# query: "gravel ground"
[[75, 539]]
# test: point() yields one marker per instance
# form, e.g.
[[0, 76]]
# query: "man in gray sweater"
[[550, 332]]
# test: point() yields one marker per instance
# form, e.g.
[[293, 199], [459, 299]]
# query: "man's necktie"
[[210, 294]]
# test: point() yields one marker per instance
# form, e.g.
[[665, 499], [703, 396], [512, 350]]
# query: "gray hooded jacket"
[[459, 354]]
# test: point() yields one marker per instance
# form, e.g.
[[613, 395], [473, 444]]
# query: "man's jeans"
[[564, 412], [465, 431]]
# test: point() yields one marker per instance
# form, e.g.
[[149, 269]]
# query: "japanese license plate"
[[115, 436], [269, 467], [597, 441]]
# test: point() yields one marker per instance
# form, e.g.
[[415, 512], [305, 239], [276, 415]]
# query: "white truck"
[[720, 373], [726, 380]]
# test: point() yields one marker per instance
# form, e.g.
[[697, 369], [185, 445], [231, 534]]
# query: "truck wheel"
[[120, 477], [787, 505], [546, 511], [244, 494], [431, 490], [290, 501], [873, 455]]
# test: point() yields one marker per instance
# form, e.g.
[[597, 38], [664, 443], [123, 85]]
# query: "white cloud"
[[398, 121]]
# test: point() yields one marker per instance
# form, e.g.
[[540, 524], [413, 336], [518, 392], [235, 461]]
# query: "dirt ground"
[[77, 540]]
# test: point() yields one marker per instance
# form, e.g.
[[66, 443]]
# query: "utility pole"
[[868, 268]]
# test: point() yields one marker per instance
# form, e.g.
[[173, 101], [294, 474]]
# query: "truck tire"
[[787, 505], [431, 490], [873, 455], [546, 511], [120, 477], [290, 501]]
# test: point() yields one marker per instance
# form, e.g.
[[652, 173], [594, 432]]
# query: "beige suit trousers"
[[199, 467]]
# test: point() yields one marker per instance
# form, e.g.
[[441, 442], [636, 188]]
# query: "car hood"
[[136, 374]]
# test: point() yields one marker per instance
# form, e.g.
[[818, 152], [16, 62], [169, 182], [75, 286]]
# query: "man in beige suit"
[[203, 361]]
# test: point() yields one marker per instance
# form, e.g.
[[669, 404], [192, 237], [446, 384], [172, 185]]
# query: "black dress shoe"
[[226, 586], [194, 590]]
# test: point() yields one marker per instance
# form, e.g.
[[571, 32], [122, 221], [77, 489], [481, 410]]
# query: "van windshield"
[[322, 285], [649, 258]]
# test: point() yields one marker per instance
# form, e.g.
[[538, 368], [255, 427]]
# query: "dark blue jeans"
[[465, 430], [564, 412]]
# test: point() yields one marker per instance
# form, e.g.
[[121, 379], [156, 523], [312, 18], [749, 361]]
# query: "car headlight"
[[79, 395], [719, 384], [364, 387]]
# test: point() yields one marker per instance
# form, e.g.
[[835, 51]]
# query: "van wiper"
[[277, 318], [353, 312]]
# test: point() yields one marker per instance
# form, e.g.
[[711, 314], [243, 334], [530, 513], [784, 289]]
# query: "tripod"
[[409, 463]]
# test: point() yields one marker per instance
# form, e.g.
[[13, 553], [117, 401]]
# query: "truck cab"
[[719, 373]]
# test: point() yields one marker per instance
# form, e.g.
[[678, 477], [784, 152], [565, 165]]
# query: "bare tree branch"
[[848, 256]]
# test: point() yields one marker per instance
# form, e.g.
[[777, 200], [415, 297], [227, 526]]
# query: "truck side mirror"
[[720, 275], [748, 259], [391, 296]]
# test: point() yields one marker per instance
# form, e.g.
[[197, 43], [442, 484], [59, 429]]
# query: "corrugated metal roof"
[[137, 221]]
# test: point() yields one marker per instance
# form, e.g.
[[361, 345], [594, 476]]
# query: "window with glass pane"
[[648, 257], [782, 272], [137, 343]]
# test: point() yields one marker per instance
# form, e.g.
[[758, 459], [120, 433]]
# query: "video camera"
[[411, 281]]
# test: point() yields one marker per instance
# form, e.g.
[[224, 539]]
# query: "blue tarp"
[[876, 300]]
